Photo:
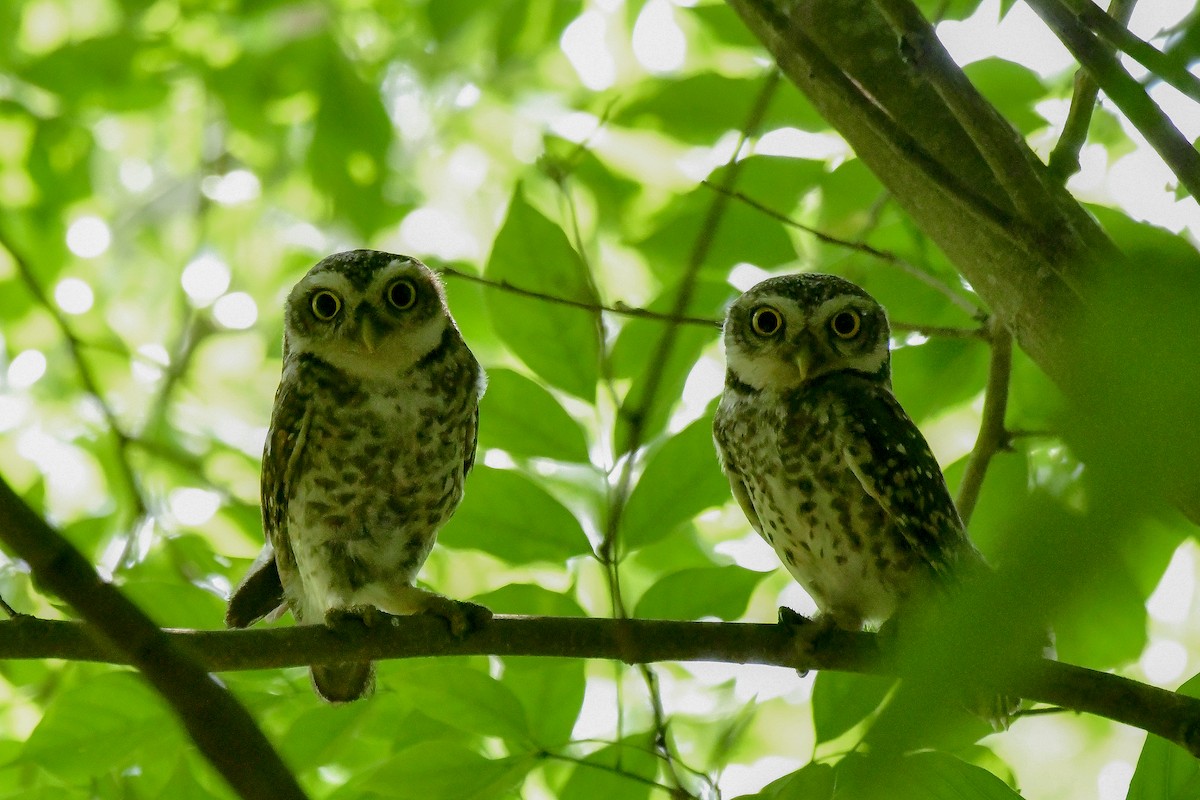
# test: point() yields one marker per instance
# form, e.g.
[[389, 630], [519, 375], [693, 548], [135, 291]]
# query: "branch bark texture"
[[117, 630], [1172, 716]]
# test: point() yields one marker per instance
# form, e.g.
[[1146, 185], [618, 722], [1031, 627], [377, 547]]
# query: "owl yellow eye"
[[326, 305], [846, 324], [402, 294], [766, 321]]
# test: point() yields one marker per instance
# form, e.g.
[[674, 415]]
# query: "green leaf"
[[957, 367], [97, 726], [681, 479], [635, 355], [464, 698], [348, 154], [722, 592], [700, 108], [506, 514], [531, 600], [318, 732], [102, 71], [444, 771], [1165, 771], [841, 700], [814, 781], [518, 415], [176, 605], [623, 770], [560, 343], [551, 691], [742, 234], [920, 776], [1013, 89]]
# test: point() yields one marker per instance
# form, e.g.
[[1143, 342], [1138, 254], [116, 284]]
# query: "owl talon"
[[344, 619], [460, 615], [790, 618]]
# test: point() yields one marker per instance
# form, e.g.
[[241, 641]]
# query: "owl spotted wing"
[[261, 591], [472, 441], [259, 595], [891, 459]]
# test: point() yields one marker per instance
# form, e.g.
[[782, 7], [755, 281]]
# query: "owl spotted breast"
[[821, 457], [372, 435]]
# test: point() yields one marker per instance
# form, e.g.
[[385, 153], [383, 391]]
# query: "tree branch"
[[1064, 159], [619, 308], [1111, 28], [118, 630], [886, 256], [1128, 95], [1173, 716], [86, 377], [992, 435]]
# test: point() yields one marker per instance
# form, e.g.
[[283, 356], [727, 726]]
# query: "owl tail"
[[341, 683]]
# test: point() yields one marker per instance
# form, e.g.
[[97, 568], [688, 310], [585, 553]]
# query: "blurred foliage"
[[168, 168]]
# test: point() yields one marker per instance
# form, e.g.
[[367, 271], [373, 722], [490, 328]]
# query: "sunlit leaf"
[[1165, 771], [444, 771], [624, 769], [721, 592], [551, 691], [560, 343], [506, 514], [681, 479], [97, 726], [920, 776], [841, 700], [464, 698], [518, 415]]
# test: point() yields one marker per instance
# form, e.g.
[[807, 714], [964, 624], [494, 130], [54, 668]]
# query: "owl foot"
[[348, 618], [810, 633], [460, 615]]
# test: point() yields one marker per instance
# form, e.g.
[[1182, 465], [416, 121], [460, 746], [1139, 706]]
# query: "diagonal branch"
[[1128, 95], [1111, 28], [86, 377], [217, 723], [1173, 716], [1064, 159]]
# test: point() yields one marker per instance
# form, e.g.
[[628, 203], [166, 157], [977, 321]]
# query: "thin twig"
[[633, 776], [86, 377], [1170, 715], [1113, 30], [221, 728], [618, 308], [992, 435], [1064, 159], [940, 331], [883, 255], [1009, 162], [9, 610], [1125, 92], [607, 552]]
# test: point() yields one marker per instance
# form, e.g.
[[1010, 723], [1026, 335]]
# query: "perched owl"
[[371, 438], [823, 460]]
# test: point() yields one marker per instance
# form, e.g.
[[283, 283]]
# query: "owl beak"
[[804, 356], [368, 331]]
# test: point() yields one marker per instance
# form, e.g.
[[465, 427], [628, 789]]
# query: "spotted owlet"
[[823, 460], [371, 438]]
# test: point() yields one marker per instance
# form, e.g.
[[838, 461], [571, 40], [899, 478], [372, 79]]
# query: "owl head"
[[789, 330], [368, 313]]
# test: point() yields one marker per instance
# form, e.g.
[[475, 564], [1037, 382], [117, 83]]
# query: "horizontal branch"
[[1173, 716]]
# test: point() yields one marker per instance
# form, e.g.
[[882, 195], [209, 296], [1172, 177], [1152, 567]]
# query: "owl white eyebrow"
[[858, 303]]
